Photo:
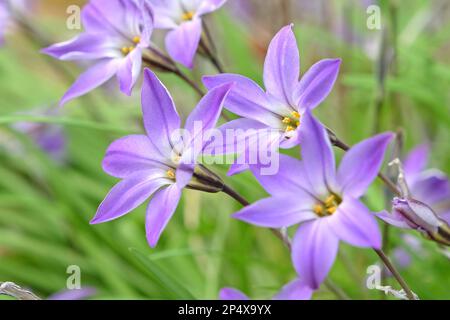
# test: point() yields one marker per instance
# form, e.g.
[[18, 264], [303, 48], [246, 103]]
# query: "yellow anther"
[[170, 174], [286, 120], [329, 201], [295, 114], [297, 123], [125, 50], [187, 16], [290, 128], [130, 49], [137, 39], [318, 209], [331, 210]]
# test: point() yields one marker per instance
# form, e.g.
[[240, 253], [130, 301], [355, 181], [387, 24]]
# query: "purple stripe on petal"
[[316, 83], [232, 294], [182, 42], [314, 250], [158, 111], [355, 224], [282, 66], [278, 212], [159, 211], [317, 155], [361, 164], [129, 193]]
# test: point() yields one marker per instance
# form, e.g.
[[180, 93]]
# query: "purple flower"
[[281, 107], [160, 163], [4, 20], [184, 20], [73, 294], [294, 290], [323, 200], [116, 32]]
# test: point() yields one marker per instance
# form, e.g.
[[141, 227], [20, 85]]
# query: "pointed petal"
[[355, 224], [232, 294], [158, 111], [361, 164], [416, 160], [317, 155], [131, 154], [246, 99], [295, 290], [128, 194], [182, 42], [282, 66], [92, 78], [159, 211], [394, 220], [83, 47], [278, 212], [129, 71], [316, 83], [314, 250]]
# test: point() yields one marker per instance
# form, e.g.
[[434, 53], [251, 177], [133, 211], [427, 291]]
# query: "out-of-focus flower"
[[116, 32], [323, 200], [281, 107], [162, 162], [4, 20], [425, 205], [294, 290], [73, 294], [184, 20]]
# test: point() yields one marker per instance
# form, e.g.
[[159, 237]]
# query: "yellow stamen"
[[187, 16], [329, 201], [290, 128], [130, 49], [295, 114], [331, 210], [137, 39], [171, 174], [125, 50], [297, 123], [286, 120], [318, 209]]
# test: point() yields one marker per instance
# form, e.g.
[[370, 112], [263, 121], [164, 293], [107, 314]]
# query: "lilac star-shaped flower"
[[184, 20], [162, 162], [325, 201], [116, 32]]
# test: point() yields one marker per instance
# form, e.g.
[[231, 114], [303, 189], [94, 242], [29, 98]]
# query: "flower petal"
[[182, 42], [314, 250], [232, 294], [295, 290], [278, 212], [159, 211], [355, 224], [361, 164], [129, 71], [158, 111], [208, 6], [130, 154], [128, 194], [316, 83], [317, 155], [92, 78], [282, 66], [394, 220], [246, 99], [416, 160]]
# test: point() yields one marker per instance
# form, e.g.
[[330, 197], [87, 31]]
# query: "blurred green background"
[[46, 205]]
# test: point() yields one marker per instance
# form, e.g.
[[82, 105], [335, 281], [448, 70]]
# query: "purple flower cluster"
[[322, 201]]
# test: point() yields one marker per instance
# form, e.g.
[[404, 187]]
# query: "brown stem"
[[395, 273]]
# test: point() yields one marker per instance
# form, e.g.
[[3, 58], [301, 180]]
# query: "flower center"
[[126, 50], [187, 16], [327, 208], [292, 121], [171, 174]]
